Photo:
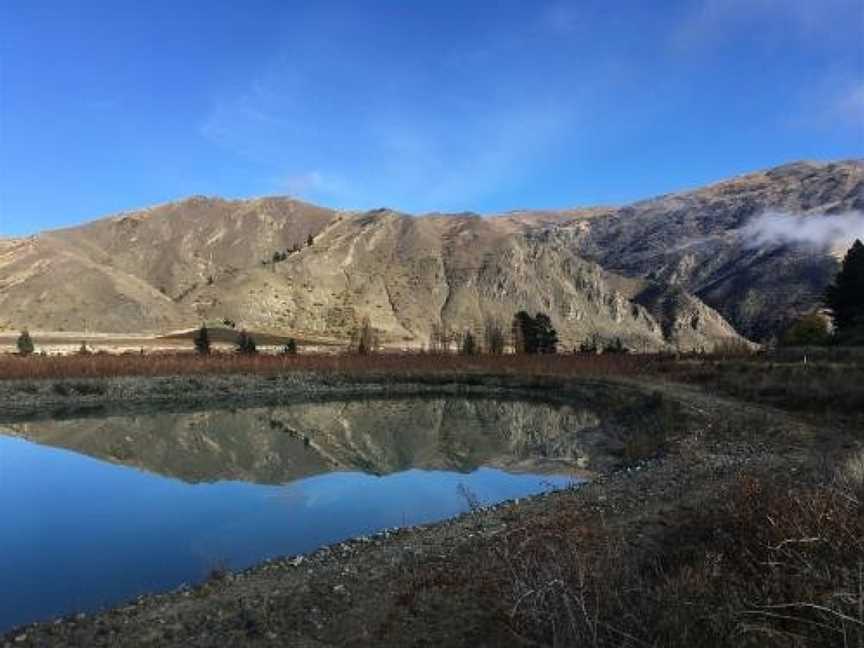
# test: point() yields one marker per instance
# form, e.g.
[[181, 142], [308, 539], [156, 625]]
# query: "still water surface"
[[96, 511]]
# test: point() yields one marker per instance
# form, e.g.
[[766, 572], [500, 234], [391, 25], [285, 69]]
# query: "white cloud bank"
[[816, 230]]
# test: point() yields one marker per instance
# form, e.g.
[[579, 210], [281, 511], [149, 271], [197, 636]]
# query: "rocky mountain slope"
[[700, 241], [674, 271]]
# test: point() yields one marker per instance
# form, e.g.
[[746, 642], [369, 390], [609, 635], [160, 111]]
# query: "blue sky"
[[420, 106]]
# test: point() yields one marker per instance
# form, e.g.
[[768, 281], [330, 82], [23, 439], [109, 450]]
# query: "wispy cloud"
[[454, 161], [823, 231], [834, 102], [849, 103], [394, 147], [710, 22], [313, 185]]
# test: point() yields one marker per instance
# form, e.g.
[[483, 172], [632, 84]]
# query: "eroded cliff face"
[[700, 241], [172, 266], [281, 444], [409, 275]]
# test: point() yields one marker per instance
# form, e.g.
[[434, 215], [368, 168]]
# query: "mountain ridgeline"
[[677, 271]]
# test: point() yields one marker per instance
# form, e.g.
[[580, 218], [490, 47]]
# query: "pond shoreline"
[[383, 589], [22, 400]]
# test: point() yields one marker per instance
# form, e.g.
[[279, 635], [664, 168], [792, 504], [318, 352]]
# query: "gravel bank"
[[392, 588]]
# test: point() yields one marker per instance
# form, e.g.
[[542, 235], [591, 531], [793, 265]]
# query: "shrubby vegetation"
[[769, 564], [595, 345], [246, 344], [810, 330], [25, 343]]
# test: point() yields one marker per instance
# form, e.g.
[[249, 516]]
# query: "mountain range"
[[684, 270]]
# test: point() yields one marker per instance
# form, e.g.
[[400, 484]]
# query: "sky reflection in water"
[[77, 533]]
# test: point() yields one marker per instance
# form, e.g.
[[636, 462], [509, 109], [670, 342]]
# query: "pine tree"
[[245, 343], [524, 333], [469, 345], [534, 334], [845, 297], [290, 347], [546, 335], [202, 341], [25, 343]]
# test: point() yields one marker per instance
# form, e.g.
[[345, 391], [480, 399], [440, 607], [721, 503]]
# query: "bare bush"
[[769, 566], [733, 348]]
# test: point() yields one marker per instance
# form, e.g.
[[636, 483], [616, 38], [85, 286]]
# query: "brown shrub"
[[769, 566], [377, 365]]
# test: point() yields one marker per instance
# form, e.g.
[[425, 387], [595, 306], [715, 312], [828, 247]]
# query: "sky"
[[419, 106]]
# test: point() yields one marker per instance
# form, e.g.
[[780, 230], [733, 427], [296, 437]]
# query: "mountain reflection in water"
[[146, 503], [272, 445]]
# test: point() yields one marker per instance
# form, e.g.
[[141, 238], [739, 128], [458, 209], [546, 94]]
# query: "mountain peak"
[[206, 258]]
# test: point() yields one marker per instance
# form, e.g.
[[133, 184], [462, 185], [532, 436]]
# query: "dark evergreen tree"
[[546, 337], [524, 333], [534, 334], [310, 240], [290, 347], [25, 343], [246, 344], [469, 345], [845, 297], [202, 340]]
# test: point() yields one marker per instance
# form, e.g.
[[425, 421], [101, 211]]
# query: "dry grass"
[[827, 390], [832, 391], [373, 365], [769, 566]]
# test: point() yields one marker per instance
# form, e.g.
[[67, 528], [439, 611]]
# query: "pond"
[[95, 511]]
